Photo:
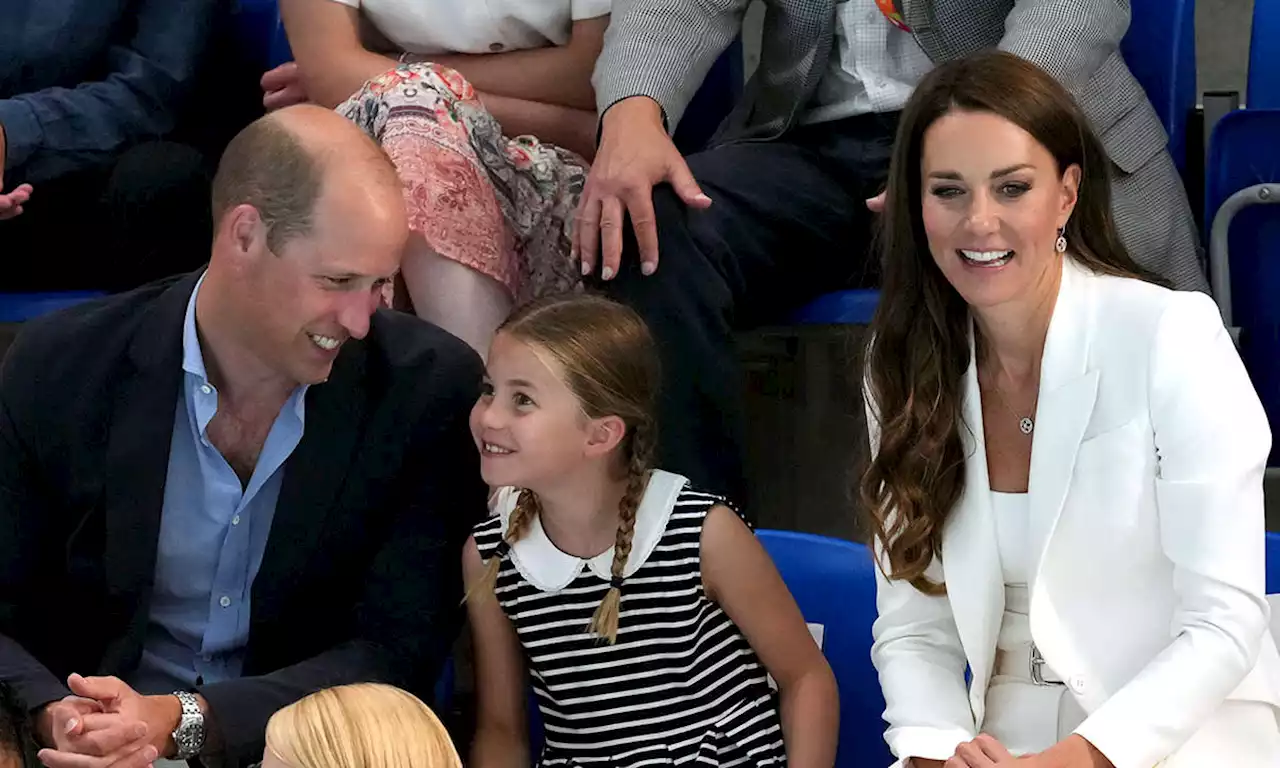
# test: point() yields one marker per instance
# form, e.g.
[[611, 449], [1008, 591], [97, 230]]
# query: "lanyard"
[[891, 13]]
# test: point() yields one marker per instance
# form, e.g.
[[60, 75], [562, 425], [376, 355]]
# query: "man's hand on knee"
[[78, 732], [635, 155], [107, 724]]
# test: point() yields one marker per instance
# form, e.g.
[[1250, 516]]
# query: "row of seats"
[[1161, 52], [1242, 169], [1242, 222]]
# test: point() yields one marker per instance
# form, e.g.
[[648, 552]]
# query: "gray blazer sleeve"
[[663, 49], [1069, 39]]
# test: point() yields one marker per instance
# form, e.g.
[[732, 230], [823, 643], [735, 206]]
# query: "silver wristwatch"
[[189, 735]]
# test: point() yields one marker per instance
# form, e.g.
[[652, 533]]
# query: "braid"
[[605, 621], [527, 508]]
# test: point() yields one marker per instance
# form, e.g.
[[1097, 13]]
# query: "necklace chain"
[[1026, 424]]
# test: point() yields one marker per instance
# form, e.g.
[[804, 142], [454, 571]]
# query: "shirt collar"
[[192, 356], [550, 569]]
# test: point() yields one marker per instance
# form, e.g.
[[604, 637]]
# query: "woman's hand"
[[983, 752], [987, 752], [282, 87]]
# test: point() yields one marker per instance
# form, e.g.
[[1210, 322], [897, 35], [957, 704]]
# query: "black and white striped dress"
[[681, 686]]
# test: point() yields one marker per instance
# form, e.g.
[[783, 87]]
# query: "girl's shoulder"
[[693, 504]]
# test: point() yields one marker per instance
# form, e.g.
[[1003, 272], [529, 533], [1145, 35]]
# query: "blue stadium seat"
[[20, 307], [834, 583], [1264, 74], [1160, 49], [257, 25], [278, 51], [1244, 245], [854, 307]]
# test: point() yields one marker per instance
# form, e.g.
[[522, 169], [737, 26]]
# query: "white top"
[[874, 66], [1011, 511], [477, 26]]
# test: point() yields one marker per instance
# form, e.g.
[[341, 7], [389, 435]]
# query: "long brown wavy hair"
[[919, 348], [610, 363]]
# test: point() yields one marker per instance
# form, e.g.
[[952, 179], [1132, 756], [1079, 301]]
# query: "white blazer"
[[1147, 531]]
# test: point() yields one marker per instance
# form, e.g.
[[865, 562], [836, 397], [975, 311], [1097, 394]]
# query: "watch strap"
[[188, 737]]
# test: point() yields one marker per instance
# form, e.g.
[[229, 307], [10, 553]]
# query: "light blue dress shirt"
[[213, 532]]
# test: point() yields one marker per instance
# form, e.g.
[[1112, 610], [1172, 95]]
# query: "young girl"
[[648, 614], [367, 725]]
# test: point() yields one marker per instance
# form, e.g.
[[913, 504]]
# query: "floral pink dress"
[[503, 206]]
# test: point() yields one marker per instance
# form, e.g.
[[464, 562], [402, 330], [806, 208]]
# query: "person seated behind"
[[243, 484], [490, 214], [1065, 492], [792, 167], [87, 90], [358, 726], [649, 615]]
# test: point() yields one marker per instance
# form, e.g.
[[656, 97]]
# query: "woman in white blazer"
[[1066, 480]]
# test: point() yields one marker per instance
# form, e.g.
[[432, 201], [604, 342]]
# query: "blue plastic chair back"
[[20, 307], [1160, 49], [1273, 563], [446, 687], [256, 24], [1264, 73], [1244, 151], [834, 584], [854, 307]]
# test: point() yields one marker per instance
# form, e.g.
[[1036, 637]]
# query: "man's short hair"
[[266, 166]]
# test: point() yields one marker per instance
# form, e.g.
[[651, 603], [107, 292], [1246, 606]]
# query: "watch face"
[[188, 733]]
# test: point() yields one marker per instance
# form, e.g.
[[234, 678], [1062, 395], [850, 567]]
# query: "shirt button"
[[206, 389], [1077, 683], [235, 520], [496, 47], [224, 601]]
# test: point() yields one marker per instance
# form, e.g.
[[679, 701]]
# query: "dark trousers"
[[788, 222], [144, 217]]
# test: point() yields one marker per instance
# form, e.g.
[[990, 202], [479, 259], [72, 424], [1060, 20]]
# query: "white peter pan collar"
[[549, 569]]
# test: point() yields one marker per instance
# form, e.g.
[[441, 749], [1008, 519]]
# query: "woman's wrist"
[[1075, 751]]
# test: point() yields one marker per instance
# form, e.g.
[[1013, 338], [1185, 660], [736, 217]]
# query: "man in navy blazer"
[[225, 491]]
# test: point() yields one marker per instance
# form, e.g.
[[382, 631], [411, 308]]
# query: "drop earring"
[[1061, 245]]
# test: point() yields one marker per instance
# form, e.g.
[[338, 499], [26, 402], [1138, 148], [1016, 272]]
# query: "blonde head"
[[610, 363], [359, 726]]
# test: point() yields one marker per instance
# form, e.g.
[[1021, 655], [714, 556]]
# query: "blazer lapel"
[[314, 474], [918, 15], [137, 457], [1067, 394], [970, 552]]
